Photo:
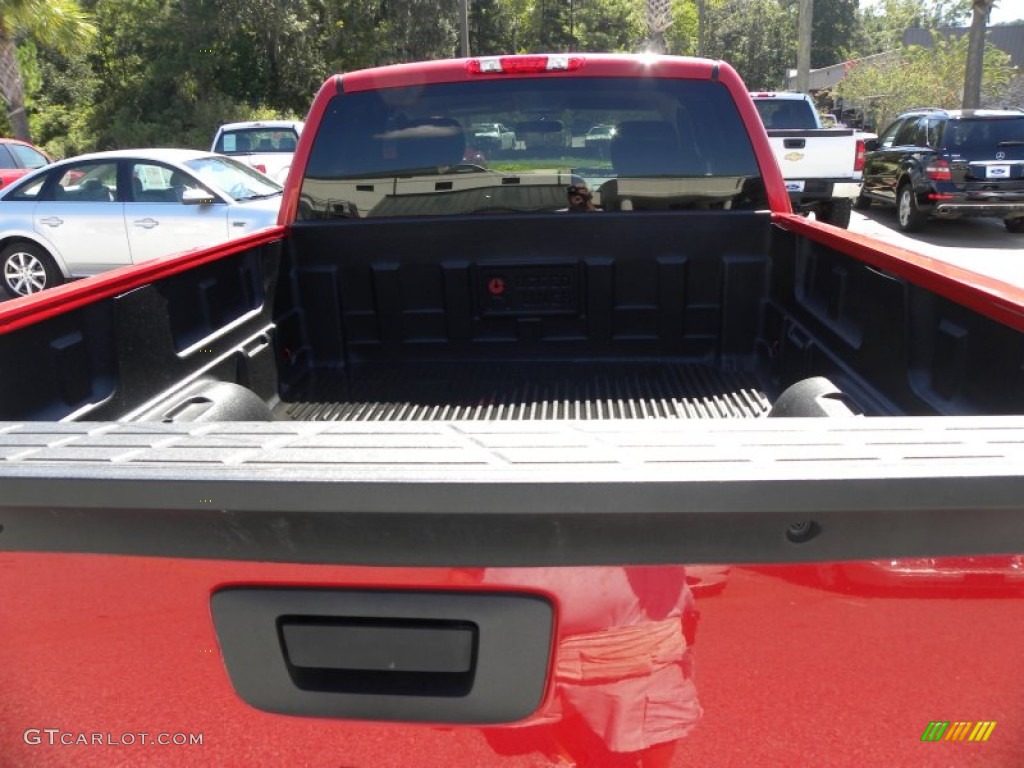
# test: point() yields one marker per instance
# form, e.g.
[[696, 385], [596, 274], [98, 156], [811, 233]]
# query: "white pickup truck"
[[822, 166], [266, 145]]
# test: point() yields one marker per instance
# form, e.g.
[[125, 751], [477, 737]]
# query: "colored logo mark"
[[958, 731]]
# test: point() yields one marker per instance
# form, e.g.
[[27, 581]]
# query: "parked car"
[[18, 158], [91, 213], [266, 145], [599, 137], [493, 136], [947, 164]]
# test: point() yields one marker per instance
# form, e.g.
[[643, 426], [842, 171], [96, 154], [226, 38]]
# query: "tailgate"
[[522, 594], [818, 154]]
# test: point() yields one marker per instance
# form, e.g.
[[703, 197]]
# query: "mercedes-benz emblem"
[[1000, 155]]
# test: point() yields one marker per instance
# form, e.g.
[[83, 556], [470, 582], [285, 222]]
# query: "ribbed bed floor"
[[506, 392]]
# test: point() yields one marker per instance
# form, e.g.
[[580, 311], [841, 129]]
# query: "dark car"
[[947, 164]]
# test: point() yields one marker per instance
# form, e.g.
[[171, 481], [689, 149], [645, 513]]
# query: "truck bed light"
[[508, 65]]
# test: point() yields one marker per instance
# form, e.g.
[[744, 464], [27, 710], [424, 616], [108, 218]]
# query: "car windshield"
[[983, 135], [674, 144], [260, 140], [238, 180]]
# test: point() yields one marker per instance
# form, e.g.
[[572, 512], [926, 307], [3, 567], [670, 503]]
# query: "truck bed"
[[522, 391], [646, 315]]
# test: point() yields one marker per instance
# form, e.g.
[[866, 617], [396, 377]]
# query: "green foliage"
[[60, 24], [758, 37], [919, 77], [681, 38], [834, 32], [416, 30], [610, 25], [168, 72], [882, 26], [58, 115], [491, 27]]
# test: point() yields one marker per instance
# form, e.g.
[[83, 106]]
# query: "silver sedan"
[[95, 212]]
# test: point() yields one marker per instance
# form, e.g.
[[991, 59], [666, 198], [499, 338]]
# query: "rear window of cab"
[[261, 140], [417, 151]]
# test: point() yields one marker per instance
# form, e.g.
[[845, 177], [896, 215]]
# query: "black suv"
[[947, 164]]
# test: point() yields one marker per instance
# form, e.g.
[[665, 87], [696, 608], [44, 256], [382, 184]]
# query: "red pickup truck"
[[441, 471]]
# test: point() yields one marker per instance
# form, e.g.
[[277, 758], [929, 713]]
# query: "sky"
[[1002, 13]]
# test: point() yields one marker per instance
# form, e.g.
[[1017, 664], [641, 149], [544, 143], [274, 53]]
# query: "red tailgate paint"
[[786, 671]]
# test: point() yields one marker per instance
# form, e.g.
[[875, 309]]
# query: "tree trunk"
[[659, 19], [11, 87], [464, 28], [805, 24], [976, 55]]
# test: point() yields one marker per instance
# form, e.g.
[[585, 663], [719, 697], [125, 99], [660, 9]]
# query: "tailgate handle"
[[410, 656], [376, 655], [794, 143]]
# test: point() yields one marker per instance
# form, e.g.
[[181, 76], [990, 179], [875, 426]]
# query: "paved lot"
[[981, 245]]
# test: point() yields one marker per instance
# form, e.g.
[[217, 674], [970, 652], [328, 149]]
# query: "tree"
[[835, 32], [58, 23], [882, 26], [490, 27], [681, 37], [916, 77], [551, 26], [415, 30], [609, 25], [659, 18], [975, 53], [758, 37], [60, 97], [274, 48]]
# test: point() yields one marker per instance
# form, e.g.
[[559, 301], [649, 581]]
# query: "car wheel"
[[910, 217], [836, 213], [862, 203], [27, 268], [1014, 225]]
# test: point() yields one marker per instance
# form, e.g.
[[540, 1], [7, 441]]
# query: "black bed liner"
[[517, 494], [525, 391]]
